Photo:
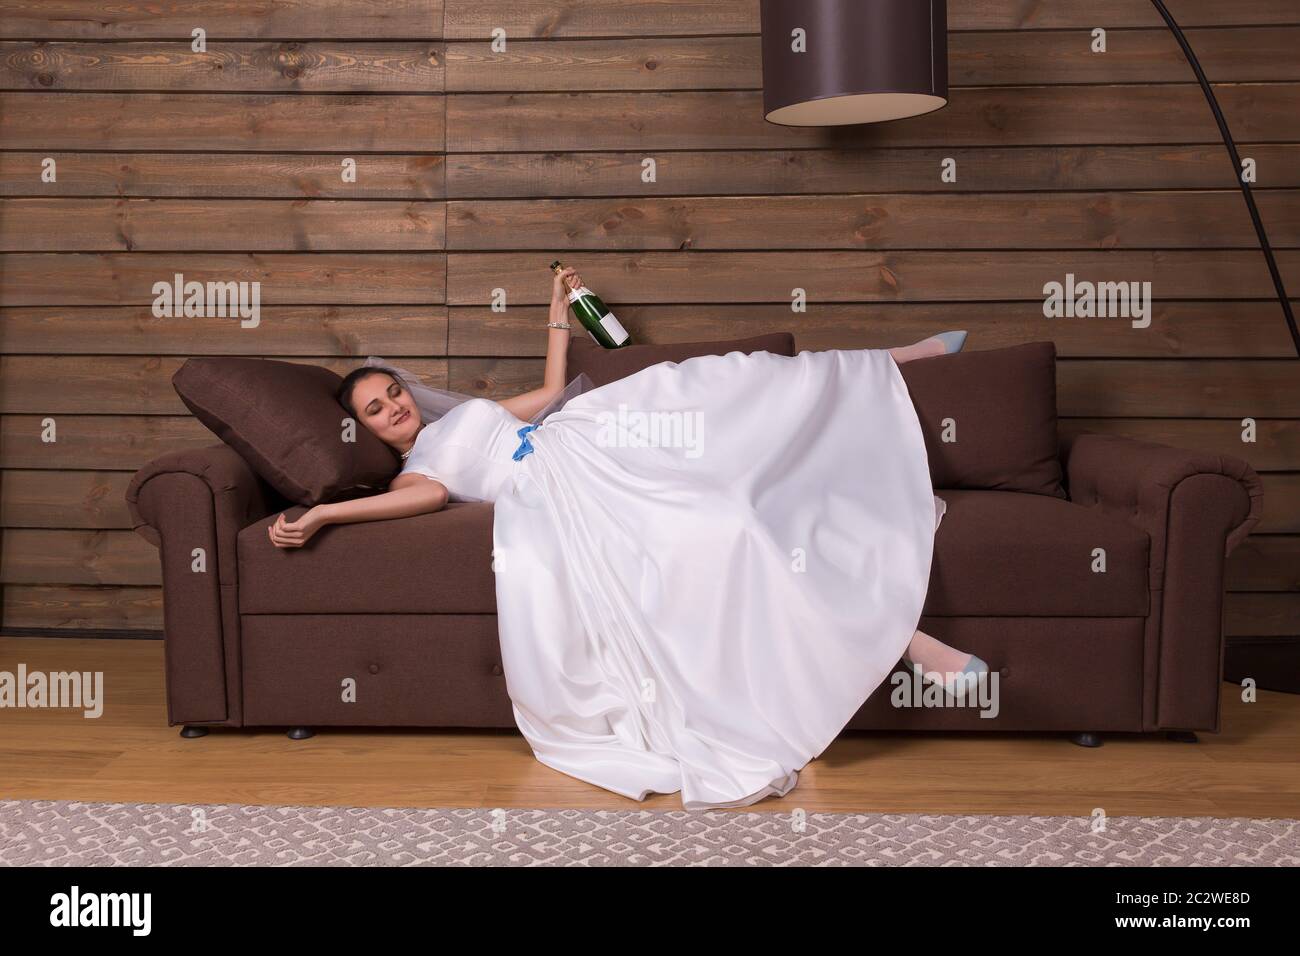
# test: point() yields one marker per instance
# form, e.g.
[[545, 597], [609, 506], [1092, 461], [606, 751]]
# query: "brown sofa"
[[266, 637]]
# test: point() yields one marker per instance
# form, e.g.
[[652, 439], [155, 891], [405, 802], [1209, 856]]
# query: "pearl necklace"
[[407, 454]]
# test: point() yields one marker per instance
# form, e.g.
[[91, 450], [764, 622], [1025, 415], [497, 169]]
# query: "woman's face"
[[386, 408]]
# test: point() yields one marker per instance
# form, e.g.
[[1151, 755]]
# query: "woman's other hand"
[[566, 279], [294, 534]]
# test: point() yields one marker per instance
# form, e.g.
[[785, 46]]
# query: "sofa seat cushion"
[[996, 553], [1010, 553], [437, 563]]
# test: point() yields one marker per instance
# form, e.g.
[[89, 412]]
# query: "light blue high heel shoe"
[[952, 341], [975, 666]]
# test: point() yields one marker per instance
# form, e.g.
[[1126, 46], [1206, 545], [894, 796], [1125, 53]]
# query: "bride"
[[702, 569]]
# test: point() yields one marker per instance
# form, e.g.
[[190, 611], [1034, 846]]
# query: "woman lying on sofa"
[[702, 569]]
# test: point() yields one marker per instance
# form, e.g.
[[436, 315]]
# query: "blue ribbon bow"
[[525, 446]]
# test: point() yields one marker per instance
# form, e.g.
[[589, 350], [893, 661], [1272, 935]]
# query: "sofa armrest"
[[1136, 480], [1196, 508], [240, 492], [191, 505]]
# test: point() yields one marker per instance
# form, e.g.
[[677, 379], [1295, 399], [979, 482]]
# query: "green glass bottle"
[[595, 317]]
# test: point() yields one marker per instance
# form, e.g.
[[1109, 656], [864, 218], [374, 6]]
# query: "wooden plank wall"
[[476, 168]]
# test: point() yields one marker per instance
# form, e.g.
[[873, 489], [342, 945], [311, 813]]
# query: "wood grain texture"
[[124, 442], [291, 67], [283, 331], [1233, 329], [1012, 58], [65, 499], [224, 176], [1086, 388], [842, 276], [1276, 445], [1020, 116], [324, 278], [402, 19], [868, 169], [220, 225], [1261, 615], [127, 384], [1282, 492], [73, 608], [1062, 220], [222, 19], [1240, 329], [1265, 562], [45, 556], [219, 122], [639, 18], [1135, 388], [1058, 221], [36, 279], [680, 172]]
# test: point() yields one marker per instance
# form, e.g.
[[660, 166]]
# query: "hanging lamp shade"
[[835, 62]]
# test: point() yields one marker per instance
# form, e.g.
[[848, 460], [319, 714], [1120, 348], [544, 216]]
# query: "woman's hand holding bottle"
[[571, 292], [561, 285]]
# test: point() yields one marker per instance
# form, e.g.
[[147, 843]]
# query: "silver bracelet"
[[558, 325]]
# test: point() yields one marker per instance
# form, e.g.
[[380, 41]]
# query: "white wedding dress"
[[703, 569]]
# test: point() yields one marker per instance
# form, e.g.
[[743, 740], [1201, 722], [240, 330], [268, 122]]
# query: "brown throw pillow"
[[603, 365], [1002, 403], [284, 420]]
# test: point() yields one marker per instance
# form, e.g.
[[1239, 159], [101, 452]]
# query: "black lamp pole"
[[1236, 166]]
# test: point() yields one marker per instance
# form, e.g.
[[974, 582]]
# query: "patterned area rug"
[[70, 833]]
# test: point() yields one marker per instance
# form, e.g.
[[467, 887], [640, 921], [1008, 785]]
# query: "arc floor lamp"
[[836, 62]]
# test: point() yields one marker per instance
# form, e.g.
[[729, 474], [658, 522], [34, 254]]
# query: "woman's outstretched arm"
[[528, 404], [408, 494]]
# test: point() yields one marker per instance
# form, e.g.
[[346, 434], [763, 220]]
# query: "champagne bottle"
[[595, 317]]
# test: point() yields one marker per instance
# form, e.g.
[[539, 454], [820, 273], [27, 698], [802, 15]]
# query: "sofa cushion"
[[285, 421], [1013, 554], [998, 409], [997, 553], [603, 365], [439, 562]]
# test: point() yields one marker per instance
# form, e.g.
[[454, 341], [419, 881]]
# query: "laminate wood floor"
[[130, 754]]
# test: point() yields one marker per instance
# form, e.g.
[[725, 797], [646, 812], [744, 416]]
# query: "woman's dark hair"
[[344, 394]]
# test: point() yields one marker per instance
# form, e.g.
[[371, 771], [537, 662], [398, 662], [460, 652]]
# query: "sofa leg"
[[300, 733], [1183, 736], [188, 731], [1086, 739]]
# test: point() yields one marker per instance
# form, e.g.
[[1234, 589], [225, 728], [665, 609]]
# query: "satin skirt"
[[704, 569]]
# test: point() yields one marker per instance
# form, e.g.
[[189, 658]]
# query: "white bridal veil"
[[433, 402]]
